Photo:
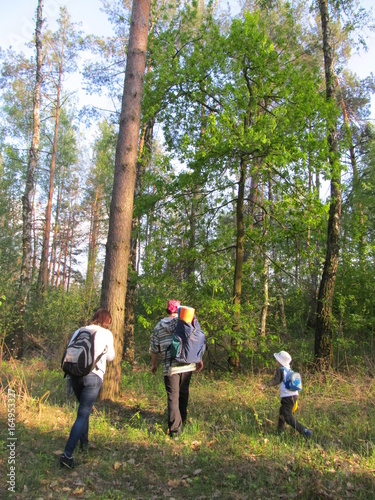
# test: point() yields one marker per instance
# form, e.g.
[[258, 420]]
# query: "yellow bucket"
[[186, 313]]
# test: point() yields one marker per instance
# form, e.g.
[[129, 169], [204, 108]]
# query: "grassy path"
[[228, 450]]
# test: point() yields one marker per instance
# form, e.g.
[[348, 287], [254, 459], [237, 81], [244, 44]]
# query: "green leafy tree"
[[324, 320], [17, 77], [254, 103]]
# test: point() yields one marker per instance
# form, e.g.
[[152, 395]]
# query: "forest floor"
[[229, 448]]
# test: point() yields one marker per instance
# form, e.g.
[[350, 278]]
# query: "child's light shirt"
[[279, 379]]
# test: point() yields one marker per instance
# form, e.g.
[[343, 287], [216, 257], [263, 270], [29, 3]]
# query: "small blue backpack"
[[292, 380]]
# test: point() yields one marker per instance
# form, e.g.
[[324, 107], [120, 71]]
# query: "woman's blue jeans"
[[86, 390]]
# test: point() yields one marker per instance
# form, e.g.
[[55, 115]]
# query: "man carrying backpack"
[[177, 376], [86, 387], [288, 397]]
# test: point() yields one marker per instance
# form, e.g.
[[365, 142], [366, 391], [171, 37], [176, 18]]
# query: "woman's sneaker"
[[66, 461]]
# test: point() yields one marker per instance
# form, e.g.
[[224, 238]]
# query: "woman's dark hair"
[[102, 317]]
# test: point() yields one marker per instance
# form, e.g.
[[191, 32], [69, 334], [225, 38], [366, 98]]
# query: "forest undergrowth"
[[229, 448]]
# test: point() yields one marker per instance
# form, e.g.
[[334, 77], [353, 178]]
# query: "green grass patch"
[[229, 448]]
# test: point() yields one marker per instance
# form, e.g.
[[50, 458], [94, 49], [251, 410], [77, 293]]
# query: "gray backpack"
[[78, 359]]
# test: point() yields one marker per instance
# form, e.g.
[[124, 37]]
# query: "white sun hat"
[[283, 358]]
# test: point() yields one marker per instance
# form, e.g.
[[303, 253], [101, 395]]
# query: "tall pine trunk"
[[121, 213], [43, 269], [27, 199], [323, 331], [15, 339]]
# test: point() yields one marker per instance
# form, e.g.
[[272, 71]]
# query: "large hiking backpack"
[[188, 343], [292, 380], [79, 357]]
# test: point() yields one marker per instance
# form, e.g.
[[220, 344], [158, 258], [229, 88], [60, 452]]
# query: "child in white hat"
[[288, 398]]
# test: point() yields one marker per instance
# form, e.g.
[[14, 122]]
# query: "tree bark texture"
[[323, 332], [121, 212], [15, 339]]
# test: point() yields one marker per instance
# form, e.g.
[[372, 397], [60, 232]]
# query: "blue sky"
[[17, 20], [17, 25]]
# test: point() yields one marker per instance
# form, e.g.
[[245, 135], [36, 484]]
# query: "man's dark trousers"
[[177, 387]]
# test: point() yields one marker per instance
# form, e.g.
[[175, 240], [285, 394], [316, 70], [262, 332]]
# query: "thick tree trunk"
[[121, 213], [323, 331]]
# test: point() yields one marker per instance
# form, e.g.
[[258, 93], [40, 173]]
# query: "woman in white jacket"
[[87, 388]]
